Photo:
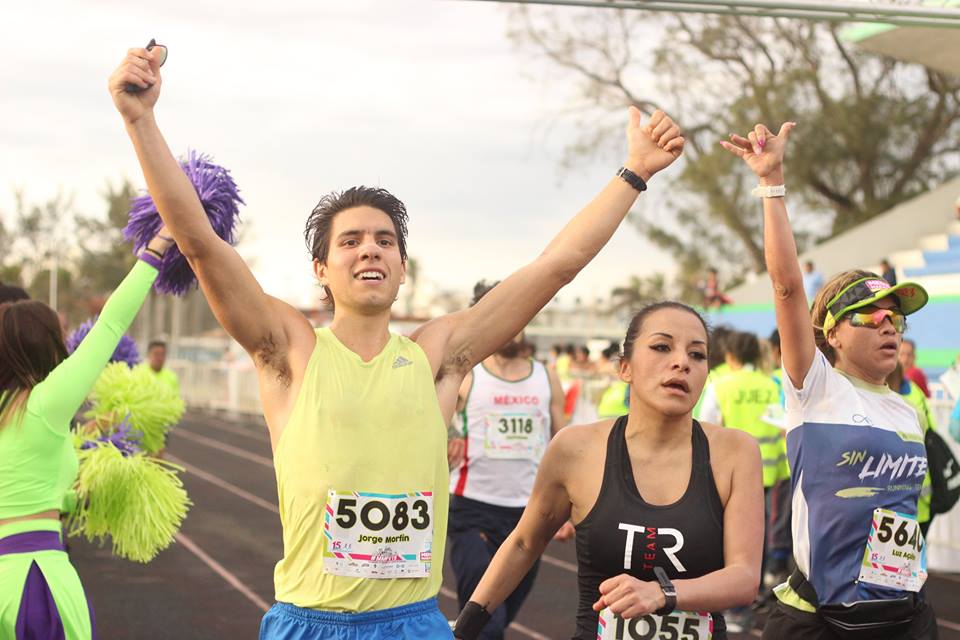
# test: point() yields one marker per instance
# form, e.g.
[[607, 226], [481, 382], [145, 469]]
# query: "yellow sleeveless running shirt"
[[360, 429]]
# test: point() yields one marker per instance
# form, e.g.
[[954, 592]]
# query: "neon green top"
[[744, 396], [38, 463], [918, 401], [713, 375], [783, 469], [613, 402], [368, 428], [165, 376], [718, 372]]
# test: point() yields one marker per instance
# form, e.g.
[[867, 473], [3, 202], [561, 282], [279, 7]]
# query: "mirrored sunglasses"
[[875, 318]]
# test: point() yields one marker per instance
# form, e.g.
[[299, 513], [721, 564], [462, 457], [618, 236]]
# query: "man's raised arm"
[[254, 319], [478, 331]]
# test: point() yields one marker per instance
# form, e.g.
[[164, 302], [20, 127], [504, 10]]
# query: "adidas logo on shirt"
[[401, 362]]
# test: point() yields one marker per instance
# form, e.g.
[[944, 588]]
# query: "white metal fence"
[[220, 386]]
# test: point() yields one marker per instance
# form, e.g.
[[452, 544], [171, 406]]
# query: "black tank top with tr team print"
[[625, 534]]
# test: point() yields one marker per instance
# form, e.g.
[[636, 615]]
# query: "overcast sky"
[[427, 98]]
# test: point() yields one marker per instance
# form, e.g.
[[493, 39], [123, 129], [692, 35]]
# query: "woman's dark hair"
[[31, 346], [636, 324], [11, 293], [320, 222], [775, 338], [744, 346], [718, 343], [611, 352]]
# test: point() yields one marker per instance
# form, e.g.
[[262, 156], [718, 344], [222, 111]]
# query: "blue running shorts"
[[417, 621]]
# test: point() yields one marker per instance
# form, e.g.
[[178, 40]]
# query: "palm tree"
[[638, 292]]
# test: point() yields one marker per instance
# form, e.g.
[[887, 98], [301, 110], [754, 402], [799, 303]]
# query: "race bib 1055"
[[678, 625]]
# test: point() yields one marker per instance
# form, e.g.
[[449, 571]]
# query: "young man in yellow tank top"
[[356, 414]]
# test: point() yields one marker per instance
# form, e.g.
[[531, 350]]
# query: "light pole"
[[54, 272]]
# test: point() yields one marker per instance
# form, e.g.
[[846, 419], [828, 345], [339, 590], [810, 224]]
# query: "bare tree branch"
[[873, 131], [854, 69]]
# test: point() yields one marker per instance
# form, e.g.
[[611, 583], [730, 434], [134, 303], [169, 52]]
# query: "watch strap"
[[632, 179], [669, 592], [769, 191], [471, 621]]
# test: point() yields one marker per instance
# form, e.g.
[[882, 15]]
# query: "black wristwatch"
[[470, 622], [632, 179], [669, 592]]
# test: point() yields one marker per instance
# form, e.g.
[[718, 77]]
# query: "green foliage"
[[5, 239], [91, 254], [11, 274], [638, 292], [105, 256], [872, 132], [37, 237], [39, 289]]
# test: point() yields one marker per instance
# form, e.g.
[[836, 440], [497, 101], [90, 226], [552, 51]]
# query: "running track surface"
[[217, 580]]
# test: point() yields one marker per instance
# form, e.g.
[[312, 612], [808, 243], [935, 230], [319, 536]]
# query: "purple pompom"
[[126, 350], [128, 442], [219, 196]]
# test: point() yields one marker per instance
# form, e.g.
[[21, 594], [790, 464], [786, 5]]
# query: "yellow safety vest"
[[713, 375], [918, 401], [613, 402], [744, 397]]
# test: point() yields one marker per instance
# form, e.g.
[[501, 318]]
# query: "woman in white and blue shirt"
[[855, 448]]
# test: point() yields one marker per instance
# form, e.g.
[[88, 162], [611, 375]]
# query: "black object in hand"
[[132, 88], [471, 621]]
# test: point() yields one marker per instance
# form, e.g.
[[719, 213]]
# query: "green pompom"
[[136, 500], [152, 406]]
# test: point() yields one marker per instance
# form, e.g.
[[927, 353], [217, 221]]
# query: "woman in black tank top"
[[684, 538], [665, 532]]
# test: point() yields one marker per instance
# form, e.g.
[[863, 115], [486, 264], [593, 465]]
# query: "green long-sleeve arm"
[[61, 393]]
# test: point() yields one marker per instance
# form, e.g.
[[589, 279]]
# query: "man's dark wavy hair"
[[320, 222]]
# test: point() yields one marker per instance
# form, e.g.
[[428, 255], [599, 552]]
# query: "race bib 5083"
[[378, 535]]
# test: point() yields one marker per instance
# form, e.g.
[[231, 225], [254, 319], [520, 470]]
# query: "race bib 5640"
[[896, 555]]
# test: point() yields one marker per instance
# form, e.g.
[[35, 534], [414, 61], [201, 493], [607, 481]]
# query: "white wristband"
[[776, 191]]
